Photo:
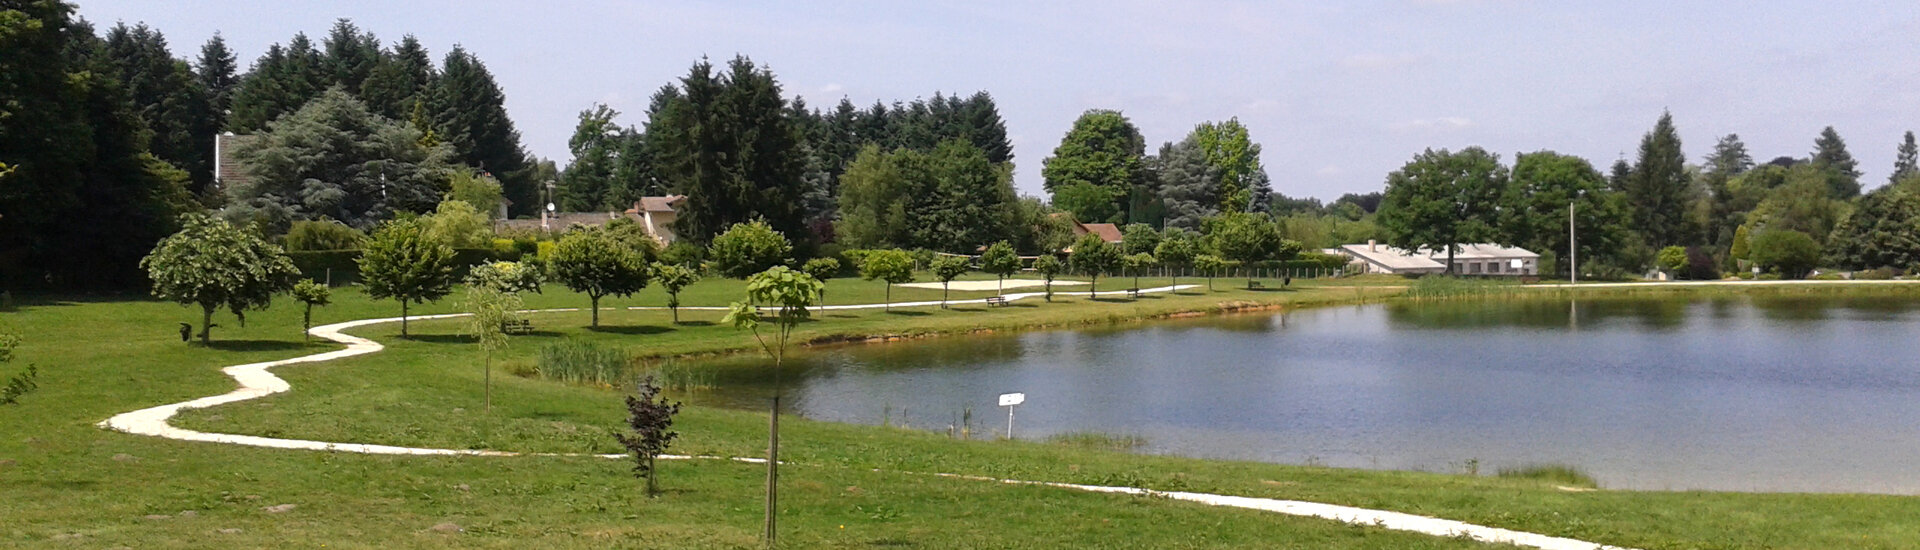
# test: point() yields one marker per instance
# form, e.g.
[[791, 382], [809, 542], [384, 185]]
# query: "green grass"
[[60, 475], [1097, 440], [1552, 473]]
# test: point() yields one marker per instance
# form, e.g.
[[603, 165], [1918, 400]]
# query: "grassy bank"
[[68, 483]]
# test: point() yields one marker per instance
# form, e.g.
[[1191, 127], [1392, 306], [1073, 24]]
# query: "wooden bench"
[[1133, 293], [996, 301], [1254, 284], [516, 326]]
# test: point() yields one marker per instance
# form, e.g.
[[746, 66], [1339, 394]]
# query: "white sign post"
[[1009, 400]]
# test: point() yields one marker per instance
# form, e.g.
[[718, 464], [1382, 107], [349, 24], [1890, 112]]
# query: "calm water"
[[1774, 394]]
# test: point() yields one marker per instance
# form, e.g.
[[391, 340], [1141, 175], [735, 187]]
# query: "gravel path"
[[255, 381]]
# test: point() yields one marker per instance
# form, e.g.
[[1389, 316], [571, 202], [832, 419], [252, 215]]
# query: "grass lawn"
[[66, 483]]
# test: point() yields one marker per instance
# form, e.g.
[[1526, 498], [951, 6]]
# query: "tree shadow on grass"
[[632, 329], [696, 323], [253, 345], [908, 313], [439, 338]]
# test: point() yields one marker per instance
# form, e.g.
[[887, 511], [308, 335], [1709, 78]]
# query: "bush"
[[584, 362], [683, 253], [1673, 260], [1700, 264], [1880, 274], [922, 258], [314, 235], [749, 248], [1552, 473], [1790, 253]]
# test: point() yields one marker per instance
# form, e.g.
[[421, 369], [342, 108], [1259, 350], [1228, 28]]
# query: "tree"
[[1673, 260], [323, 234], [894, 266], [489, 310], [1884, 231], [650, 418], [479, 190], [400, 82], [1210, 265], [1742, 244], [674, 277], [1092, 256], [1533, 207], [729, 143], [1049, 267], [1789, 252], [594, 263], [402, 263], [947, 268], [1830, 156], [167, 97], [281, 80], [1249, 238], [1658, 189], [19, 384], [470, 113], [874, 200], [964, 202], [1189, 185], [1726, 211], [333, 158], [792, 292], [216, 71], [1139, 238], [1138, 263], [1236, 159], [1000, 260], [84, 200], [458, 224], [1442, 199], [749, 248], [1176, 250], [822, 269], [1907, 163], [310, 294], [1104, 152], [212, 263], [587, 184], [1803, 202]]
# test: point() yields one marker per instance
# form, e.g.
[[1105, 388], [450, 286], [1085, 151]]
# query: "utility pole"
[[1573, 246]]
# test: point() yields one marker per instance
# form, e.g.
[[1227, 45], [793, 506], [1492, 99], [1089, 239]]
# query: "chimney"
[[1372, 246]]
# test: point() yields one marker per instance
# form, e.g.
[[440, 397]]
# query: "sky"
[[1338, 94]]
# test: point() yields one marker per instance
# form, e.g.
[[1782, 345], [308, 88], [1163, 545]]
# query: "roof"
[[561, 221], [657, 204], [1484, 251], [1393, 258], [1107, 232]]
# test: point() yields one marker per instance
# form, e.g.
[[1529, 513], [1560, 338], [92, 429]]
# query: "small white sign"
[[1011, 399]]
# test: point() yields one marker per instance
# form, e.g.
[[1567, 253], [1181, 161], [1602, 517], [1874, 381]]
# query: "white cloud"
[[1329, 171], [831, 89]]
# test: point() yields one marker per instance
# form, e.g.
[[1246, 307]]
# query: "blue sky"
[[1337, 93]]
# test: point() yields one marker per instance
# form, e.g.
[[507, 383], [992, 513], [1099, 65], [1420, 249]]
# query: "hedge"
[[339, 267]]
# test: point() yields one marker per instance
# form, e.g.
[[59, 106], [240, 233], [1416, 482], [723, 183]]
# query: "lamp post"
[[1573, 238]]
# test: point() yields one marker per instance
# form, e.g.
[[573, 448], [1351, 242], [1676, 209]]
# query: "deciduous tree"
[[947, 268], [673, 278], [1443, 199], [1000, 260], [310, 294], [211, 263], [894, 266], [1093, 256], [596, 264], [403, 263], [489, 310], [1104, 152], [650, 422], [792, 293], [1049, 267]]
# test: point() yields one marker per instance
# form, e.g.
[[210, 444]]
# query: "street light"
[[1573, 239]]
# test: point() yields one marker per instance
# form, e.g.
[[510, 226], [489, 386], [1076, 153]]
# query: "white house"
[[1469, 259]]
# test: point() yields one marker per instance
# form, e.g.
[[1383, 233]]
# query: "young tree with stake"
[[650, 416], [893, 266], [490, 310], [674, 277], [792, 292], [947, 268], [1049, 267], [1137, 263], [1002, 262], [1092, 256], [312, 294]]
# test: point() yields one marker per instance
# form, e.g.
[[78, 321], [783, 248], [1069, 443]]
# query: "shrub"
[[749, 248], [1673, 260], [581, 362], [922, 258], [683, 253], [1789, 252], [1558, 474], [323, 235], [1878, 274]]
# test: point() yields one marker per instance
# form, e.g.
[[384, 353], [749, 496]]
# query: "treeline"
[[1726, 215], [106, 139]]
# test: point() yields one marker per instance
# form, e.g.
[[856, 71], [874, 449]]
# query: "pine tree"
[[280, 82], [401, 78], [1843, 173], [728, 142], [1729, 160], [1659, 189], [217, 74], [1189, 186], [351, 55], [1908, 163], [470, 114], [166, 96], [596, 143]]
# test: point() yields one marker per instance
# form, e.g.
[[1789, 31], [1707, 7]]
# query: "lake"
[[1729, 393]]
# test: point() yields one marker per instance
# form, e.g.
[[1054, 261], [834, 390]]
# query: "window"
[[1493, 267], [1473, 268]]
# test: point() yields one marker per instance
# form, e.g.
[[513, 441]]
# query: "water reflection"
[[1772, 393]]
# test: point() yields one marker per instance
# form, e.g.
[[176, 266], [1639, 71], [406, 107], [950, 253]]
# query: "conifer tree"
[[728, 142], [400, 80], [1658, 188], [351, 55], [1908, 162], [471, 115], [216, 71], [1843, 173], [166, 96]]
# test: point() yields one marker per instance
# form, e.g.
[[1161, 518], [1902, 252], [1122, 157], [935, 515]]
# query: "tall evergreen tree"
[[1189, 185], [217, 71], [596, 144], [1728, 161], [1843, 172], [727, 142], [280, 82], [401, 79], [471, 115], [1908, 162], [1659, 189], [167, 98], [351, 55], [83, 201]]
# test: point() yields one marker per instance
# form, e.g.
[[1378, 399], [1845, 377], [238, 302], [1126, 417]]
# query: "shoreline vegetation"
[[424, 390]]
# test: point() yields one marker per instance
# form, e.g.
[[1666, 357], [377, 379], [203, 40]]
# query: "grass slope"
[[67, 483]]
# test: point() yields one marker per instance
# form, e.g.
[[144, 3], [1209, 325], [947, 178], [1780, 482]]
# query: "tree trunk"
[[488, 384], [596, 310], [773, 466], [653, 486], [676, 311], [1093, 288], [944, 293], [306, 324], [206, 324], [1449, 259], [403, 317], [889, 304], [1003, 286]]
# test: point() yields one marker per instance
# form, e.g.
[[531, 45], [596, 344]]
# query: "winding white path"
[[257, 381], [961, 302]]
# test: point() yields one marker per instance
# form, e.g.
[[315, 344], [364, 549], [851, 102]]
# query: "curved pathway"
[[255, 381], [964, 301]]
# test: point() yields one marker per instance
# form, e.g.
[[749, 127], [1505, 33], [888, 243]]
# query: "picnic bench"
[[1254, 284], [516, 326], [1133, 293], [996, 301]]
